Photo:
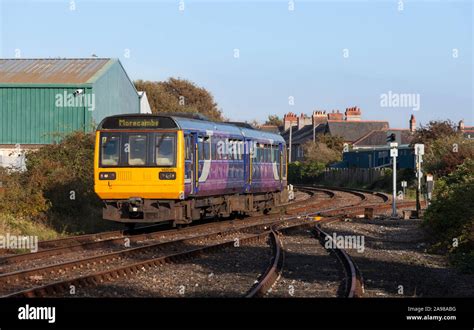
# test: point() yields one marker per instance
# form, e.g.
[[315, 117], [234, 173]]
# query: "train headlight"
[[107, 176], [167, 175]]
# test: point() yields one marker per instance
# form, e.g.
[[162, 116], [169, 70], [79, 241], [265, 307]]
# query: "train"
[[151, 168]]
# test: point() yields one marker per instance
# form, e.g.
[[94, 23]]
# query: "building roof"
[[350, 131], [379, 138], [270, 128], [52, 71]]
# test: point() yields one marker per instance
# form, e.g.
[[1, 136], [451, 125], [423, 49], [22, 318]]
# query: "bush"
[[304, 172], [450, 218], [57, 187]]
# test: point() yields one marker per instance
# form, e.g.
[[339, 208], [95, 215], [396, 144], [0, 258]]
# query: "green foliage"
[[333, 142], [14, 225], [326, 150], [304, 172], [445, 147], [57, 187], [450, 217], [434, 130], [179, 96], [444, 154], [274, 120]]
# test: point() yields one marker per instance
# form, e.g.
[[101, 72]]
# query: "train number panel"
[[154, 168]]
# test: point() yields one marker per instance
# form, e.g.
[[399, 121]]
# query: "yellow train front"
[[153, 168]]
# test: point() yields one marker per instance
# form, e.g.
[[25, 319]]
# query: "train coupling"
[[135, 204]]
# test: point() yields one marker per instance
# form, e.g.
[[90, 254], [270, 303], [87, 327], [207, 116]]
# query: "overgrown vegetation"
[[450, 218], [56, 190]]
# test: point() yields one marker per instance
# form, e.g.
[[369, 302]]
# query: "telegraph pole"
[[291, 133]]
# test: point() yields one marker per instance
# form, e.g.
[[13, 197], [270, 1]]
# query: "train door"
[[192, 162]]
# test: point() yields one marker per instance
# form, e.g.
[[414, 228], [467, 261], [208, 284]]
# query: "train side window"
[[275, 154], [284, 161], [240, 149], [214, 149], [207, 147], [204, 148], [265, 153], [110, 150], [261, 153], [137, 150], [188, 149], [229, 151], [223, 149]]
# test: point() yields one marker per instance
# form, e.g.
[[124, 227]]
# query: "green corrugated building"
[[40, 98]]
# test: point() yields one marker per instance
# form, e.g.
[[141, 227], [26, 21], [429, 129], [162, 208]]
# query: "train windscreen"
[[138, 149]]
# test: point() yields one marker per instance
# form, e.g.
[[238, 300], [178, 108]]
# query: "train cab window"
[[137, 150], [165, 149], [110, 150]]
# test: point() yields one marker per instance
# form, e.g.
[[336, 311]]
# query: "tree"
[[274, 120], [333, 142], [179, 96], [327, 149], [320, 153], [445, 147], [434, 130]]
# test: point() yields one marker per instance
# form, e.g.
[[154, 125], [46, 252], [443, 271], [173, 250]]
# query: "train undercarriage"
[[139, 210]]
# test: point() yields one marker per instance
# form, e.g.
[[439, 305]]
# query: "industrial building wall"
[[114, 93], [31, 115]]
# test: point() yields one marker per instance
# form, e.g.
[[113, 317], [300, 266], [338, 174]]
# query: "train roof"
[[128, 121]]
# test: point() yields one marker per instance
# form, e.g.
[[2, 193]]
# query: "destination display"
[[145, 122]]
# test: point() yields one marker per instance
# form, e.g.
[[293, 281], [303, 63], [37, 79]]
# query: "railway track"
[[50, 280], [353, 281]]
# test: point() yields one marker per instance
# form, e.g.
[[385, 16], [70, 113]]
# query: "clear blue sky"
[[282, 53]]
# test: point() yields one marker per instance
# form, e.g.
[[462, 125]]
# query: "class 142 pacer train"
[[153, 168]]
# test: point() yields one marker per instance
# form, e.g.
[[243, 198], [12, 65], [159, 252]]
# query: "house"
[[349, 126]]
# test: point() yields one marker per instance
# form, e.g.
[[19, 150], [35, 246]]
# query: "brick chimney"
[[303, 120], [289, 119], [319, 117], [461, 125], [353, 114], [412, 123], [335, 115]]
